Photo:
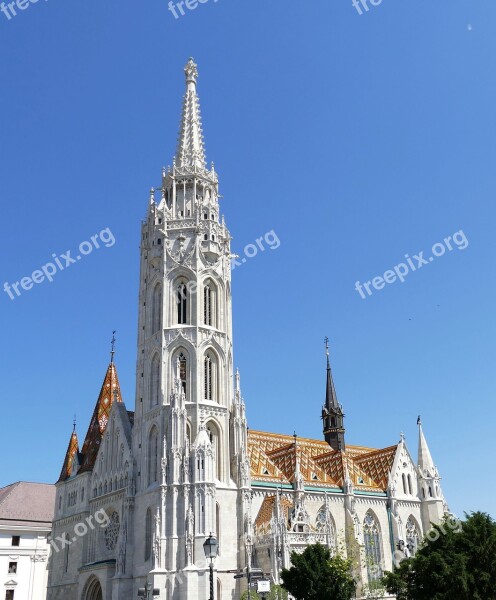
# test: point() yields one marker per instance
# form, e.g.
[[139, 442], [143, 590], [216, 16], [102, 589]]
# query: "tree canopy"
[[456, 561], [315, 575]]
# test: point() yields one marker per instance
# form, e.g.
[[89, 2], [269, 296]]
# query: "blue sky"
[[358, 139]]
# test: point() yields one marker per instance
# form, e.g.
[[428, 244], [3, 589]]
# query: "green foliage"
[[276, 593], [455, 562], [315, 575]]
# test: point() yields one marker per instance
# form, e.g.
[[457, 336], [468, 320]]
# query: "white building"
[[184, 463], [26, 514]]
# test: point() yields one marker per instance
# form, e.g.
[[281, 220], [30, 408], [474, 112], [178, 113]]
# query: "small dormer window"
[[360, 480], [265, 471], [314, 477]]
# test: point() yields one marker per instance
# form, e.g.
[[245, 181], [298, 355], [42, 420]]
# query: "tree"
[[315, 575], [457, 560]]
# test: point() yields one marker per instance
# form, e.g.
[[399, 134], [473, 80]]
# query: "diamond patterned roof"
[[273, 458], [110, 393], [72, 450]]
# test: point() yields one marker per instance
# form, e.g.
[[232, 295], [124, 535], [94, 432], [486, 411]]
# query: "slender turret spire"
[[332, 413], [190, 149], [425, 462]]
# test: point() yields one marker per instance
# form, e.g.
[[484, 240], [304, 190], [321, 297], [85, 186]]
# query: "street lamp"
[[147, 590], [211, 547]]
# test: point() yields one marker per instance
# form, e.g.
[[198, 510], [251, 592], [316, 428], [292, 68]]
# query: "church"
[[184, 464]]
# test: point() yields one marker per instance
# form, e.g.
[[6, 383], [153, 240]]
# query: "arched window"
[[209, 304], [210, 377], [148, 534], [214, 434], [410, 487], [183, 371], [372, 543], [157, 308], [155, 382], [182, 303], [403, 477], [325, 525], [412, 536], [66, 552], [153, 456]]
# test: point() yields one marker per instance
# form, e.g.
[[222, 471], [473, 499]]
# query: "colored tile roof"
[[110, 393], [273, 459], [27, 503], [72, 450]]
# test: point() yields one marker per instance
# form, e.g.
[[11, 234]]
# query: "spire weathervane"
[[112, 346], [74, 425]]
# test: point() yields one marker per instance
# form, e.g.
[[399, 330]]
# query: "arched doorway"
[[93, 590]]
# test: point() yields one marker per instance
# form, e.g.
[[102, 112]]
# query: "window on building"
[[210, 377], [153, 456], [207, 305], [410, 487], [182, 371], [412, 536], [66, 552], [148, 534], [157, 308], [12, 567], [16, 540], [9, 595], [403, 477], [155, 382], [372, 543], [82, 494], [182, 304]]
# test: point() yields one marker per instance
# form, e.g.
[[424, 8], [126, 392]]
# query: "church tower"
[[185, 405], [332, 412]]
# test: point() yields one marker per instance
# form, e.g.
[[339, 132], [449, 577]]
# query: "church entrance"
[[93, 590]]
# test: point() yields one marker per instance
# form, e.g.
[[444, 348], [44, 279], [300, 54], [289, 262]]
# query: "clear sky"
[[357, 138]]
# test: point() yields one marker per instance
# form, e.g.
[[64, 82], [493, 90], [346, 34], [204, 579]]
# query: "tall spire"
[[110, 393], [425, 462], [72, 450], [332, 413], [190, 151]]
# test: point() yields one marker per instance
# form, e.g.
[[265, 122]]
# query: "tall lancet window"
[[155, 381], [373, 551], [183, 371], [148, 534], [412, 536], [182, 303], [209, 308], [157, 308], [153, 456], [210, 376]]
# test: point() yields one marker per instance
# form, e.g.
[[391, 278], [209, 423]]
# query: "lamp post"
[[249, 550], [148, 592], [211, 547]]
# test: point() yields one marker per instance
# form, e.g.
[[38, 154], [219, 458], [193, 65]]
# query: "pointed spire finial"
[[419, 421], [238, 384], [190, 153], [191, 72], [112, 346], [74, 425]]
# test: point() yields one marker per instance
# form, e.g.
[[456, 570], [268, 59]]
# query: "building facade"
[[184, 463], [26, 514]]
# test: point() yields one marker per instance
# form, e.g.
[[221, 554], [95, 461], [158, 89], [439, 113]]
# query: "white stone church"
[[184, 463]]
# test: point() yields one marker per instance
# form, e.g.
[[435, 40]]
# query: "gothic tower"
[[332, 412], [185, 405]]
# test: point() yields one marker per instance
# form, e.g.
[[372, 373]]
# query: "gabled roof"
[[25, 503], [110, 393], [266, 512], [273, 458]]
